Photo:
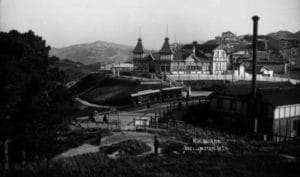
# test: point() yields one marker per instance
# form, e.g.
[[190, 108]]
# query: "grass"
[[244, 159], [205, 165], [101, 89], [128, 147]]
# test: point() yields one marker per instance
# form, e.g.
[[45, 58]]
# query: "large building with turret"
[[191, 58]]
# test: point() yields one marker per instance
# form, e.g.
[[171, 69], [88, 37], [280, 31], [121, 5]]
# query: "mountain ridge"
[[110, 52], [94, 52]]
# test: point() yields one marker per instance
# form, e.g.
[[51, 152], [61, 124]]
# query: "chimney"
[[254, 49], [194, 47], [266, 45]]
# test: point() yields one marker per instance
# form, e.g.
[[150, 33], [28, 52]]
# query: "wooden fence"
[[259, 77]]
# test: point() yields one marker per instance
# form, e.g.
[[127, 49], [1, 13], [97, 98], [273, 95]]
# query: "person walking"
[[156, 145]]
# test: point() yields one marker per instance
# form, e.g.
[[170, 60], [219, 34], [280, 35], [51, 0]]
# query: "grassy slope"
[[101, 89]]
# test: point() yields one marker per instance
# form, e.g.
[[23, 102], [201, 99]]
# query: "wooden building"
[[231, 107], [280, 112]]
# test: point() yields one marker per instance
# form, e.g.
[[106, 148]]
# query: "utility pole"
[[1, 15], [254, 48]]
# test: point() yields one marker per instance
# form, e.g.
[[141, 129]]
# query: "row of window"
[[138, 55], [287, 111], [219, 54], [164, 68], [166, 57], [220, 66], [191, 68]]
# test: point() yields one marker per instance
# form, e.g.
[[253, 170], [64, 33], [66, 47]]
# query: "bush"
[[171, 147], [129, 147]]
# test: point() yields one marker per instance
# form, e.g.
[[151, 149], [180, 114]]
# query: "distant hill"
[[76, 70], [282, 34], [95, 52], [297, 35]]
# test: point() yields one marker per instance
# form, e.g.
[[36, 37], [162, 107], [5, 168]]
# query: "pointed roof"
[[166, 49], [196, 58], [139, 48]]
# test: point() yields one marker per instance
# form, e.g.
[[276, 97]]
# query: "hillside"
[[95, 52], [76, 70], [297, 35], [284, 34], [106, 90]]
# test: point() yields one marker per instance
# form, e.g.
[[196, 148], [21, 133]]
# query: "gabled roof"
[[182, 53], [258, 68], [203, 52], [276, 67], [281, 96], [139, 48], [196, 58], [166, 48]]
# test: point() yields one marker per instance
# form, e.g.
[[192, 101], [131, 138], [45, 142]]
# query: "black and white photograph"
[[149, 88]]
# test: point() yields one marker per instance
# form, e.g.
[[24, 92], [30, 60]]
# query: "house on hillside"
[[231, 106], [182, 59], [125, 67], [288, 43], [266, 68], [227, 37]]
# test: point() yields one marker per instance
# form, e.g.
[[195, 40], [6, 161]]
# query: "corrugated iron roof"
[[281, 96]]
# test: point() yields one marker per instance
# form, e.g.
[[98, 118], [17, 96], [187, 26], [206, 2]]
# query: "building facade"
[[278, 116], [183, 59]]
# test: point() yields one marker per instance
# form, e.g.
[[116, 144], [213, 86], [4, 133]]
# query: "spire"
[[139, 48], [166, 49], [140, 32], [167, 32]]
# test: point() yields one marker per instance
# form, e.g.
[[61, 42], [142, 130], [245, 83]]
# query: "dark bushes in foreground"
[[206, 165]]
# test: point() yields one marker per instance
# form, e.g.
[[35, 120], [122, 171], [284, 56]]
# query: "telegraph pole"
[[254, 48]]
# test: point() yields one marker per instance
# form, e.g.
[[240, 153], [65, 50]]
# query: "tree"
[[33, 100]]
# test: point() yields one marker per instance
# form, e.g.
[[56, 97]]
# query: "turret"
[[166, 52], [139, 51]]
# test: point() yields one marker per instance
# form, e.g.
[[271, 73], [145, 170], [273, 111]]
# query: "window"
[[297, 110], [296, 127], [293, 111], [276, 113], [287, 111], [167, 68], [281, 114], [162, 68]]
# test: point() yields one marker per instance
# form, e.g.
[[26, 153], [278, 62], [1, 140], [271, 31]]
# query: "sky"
[[67, 22]]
